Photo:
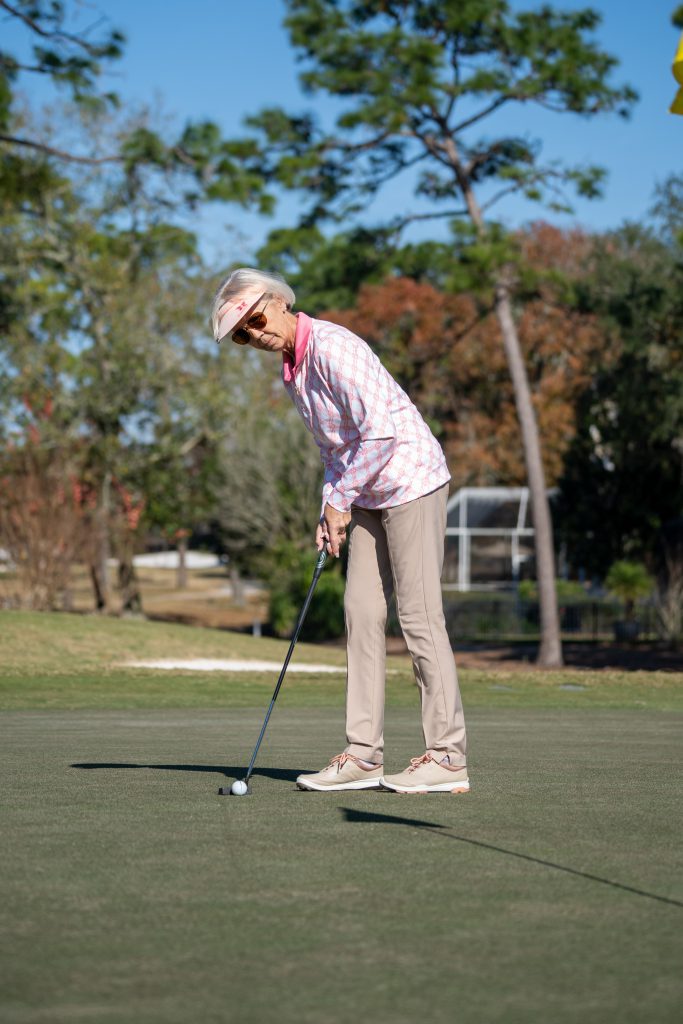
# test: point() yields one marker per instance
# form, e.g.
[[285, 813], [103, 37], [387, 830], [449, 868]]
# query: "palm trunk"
[[550, 650]]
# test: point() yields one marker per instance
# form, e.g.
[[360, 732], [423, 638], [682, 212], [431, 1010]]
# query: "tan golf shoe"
[[425, 775], [343, 772]]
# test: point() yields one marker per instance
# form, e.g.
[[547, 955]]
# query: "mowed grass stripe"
[[163, 689], [75, 661], [131, 891]]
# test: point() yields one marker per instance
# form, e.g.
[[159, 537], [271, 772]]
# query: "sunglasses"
[[256, 322]]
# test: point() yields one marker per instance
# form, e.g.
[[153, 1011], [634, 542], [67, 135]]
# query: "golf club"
[[240, 787]]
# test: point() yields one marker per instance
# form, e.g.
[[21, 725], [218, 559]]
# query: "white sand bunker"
[[225, 665]]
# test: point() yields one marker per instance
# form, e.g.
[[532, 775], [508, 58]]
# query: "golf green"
[[133, 894]]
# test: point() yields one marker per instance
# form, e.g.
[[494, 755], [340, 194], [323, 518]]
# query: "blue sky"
[[225, 60]]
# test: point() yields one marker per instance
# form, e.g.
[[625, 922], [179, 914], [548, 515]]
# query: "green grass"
[[132, 893], [75, 661]]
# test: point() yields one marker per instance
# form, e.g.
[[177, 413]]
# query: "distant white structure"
[[171, 559], [489, 538], [228, 665]]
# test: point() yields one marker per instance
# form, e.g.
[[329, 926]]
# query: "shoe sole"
[[337, 787], [442, 787]]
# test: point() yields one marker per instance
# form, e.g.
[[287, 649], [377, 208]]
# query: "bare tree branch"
[[542, 175], [483, 113], [404, 221], [499, 195], [374, 183], [58, 34], [51, 151], [433, 147], [14, 65], [455, 65], [359, 147]]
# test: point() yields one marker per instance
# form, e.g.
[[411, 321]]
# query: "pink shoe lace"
[[341, 759], [416, 762]]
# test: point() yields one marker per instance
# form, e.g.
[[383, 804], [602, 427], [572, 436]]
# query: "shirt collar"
[[303, 332]]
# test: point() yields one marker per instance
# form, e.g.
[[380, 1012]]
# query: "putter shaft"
[[322, 558]]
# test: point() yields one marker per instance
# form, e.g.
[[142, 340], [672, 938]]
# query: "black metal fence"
[[503, 617], [595, 620]]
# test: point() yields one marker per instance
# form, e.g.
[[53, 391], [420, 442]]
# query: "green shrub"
[[566, 590], [628, 581], [292, 574], [527, 590]]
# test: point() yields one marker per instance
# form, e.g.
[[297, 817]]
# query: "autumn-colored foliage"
[[48, 511], [544, 247], [43, 515], [446, 352], [132, 508]]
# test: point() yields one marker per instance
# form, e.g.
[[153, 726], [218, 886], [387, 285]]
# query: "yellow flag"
[[677, 68]]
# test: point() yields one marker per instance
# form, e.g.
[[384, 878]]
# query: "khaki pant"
[[400, 549]]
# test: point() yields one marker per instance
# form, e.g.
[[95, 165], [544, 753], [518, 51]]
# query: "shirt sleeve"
[[355, 377]]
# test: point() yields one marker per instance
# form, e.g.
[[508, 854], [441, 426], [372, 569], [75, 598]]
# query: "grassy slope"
[[73, 661]]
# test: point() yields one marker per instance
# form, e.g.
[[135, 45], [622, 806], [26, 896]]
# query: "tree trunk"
[[129, 585], [99, 593], [67, 604], [181, 573], [99, 568], [237, 583], [131, 599], [550, 650]]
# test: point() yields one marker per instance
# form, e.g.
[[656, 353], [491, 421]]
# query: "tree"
[[444, 350], [105, 302], [324, 272], [71, 60], [270, 475], [415, 78], [622, 484], [43, 517], [180, 472], [103, 297], [199, 164]]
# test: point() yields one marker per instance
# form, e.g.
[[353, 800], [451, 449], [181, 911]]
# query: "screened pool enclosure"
[[489, 538]]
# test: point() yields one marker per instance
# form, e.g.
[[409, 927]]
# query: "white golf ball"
[[238, 788]]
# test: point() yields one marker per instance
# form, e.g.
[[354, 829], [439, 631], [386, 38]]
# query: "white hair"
[[249, 279]]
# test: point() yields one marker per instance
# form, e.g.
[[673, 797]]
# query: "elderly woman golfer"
[[386, 484]]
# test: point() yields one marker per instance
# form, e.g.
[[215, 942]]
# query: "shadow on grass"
[[365, 817], [229, 771]]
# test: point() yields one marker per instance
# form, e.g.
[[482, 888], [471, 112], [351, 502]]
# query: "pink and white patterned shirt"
[[376, 448]]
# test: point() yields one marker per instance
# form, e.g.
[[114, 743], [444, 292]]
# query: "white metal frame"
[[464, 533]]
